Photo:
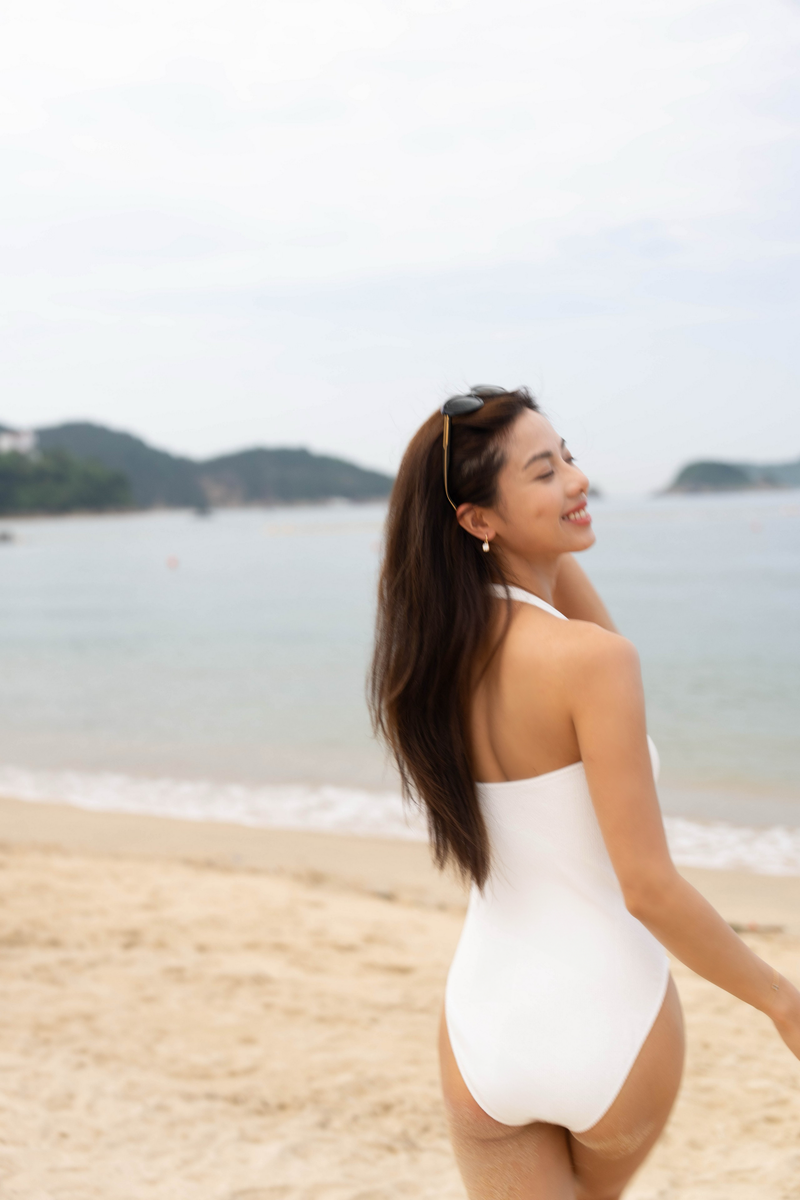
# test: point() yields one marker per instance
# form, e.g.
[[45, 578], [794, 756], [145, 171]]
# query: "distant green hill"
[[55, 482], [157, 479], [709, 476], [287, 477], [257, 476]]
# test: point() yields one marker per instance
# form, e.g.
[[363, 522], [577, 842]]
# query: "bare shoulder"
[[577, 664], [576, 647], [599, 652]]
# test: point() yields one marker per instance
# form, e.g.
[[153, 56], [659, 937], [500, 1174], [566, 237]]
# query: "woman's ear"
[[474, 520]]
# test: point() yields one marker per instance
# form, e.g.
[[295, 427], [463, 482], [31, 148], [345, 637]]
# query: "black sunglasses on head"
[[457, 406]]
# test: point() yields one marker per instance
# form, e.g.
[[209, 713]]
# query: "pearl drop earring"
[[485, 546]]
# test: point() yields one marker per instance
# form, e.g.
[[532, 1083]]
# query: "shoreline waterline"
[[765, 849]]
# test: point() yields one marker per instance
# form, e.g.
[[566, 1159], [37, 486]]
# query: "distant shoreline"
[[128, 511]]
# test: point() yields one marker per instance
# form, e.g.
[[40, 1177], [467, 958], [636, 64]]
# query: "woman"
[[523, 734]]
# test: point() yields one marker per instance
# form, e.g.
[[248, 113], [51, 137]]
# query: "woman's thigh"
[[546, 1162], [606, 1156]]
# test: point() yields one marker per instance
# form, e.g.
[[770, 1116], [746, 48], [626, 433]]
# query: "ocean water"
[[214, 667]]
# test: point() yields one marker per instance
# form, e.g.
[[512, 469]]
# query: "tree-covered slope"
[[257, 476], [781, 475], [55, 482], [156, 478], [287, 476], [711, 476]]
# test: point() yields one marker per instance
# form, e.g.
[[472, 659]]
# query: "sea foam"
[[774, 850]]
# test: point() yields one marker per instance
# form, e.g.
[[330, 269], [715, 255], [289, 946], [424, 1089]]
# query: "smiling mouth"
[[580, 516]]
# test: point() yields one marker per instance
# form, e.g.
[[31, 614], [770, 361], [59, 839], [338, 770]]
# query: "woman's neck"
[[538, 578]]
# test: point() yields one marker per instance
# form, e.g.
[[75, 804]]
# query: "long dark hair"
[[434, 616]]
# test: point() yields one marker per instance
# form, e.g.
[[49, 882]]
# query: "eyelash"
[[549, 474]]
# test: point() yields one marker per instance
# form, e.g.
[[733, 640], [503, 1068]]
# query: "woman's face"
[[541, 506]]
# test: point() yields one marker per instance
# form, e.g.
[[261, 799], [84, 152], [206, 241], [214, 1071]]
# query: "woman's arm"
[[609, 717], [575, 596]]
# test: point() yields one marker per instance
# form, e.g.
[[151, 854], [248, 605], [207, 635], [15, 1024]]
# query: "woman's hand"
[[785, 1015]]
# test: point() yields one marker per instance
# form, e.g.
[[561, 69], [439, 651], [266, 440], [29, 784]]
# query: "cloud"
[[369, 200]]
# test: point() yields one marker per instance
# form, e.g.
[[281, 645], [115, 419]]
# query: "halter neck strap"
[[517, 593]]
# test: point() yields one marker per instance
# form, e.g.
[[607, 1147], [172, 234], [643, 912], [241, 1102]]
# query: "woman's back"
[[520, 717], [549, 948]]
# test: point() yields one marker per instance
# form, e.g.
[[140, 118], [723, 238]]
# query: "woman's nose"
[[579, 481]]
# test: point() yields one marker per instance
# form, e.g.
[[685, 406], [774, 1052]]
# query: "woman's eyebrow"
[[542, 454]]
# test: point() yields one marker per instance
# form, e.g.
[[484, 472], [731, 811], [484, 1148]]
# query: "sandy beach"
[[209, 1011]]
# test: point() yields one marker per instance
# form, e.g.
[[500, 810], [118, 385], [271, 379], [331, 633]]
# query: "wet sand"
[[208, 1011]]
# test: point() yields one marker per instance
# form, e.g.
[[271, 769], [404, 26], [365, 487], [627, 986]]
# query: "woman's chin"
[[580, 538]]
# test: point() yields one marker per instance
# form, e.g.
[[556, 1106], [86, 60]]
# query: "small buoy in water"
[[5, 536], [172, 562]]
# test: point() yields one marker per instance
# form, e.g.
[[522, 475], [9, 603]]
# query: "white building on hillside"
[[19, 441]]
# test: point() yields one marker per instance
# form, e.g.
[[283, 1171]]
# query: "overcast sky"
[[306, 222]]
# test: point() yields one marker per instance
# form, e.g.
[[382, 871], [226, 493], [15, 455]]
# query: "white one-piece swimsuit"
[[554, 986]]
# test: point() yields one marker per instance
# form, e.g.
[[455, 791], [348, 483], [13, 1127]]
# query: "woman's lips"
[[579, 516]]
